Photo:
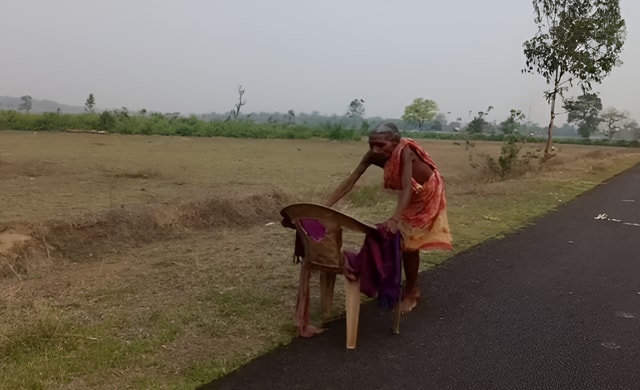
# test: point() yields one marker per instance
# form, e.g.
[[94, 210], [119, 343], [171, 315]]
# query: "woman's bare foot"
[[409, 300], [407, 304], [309, 331]]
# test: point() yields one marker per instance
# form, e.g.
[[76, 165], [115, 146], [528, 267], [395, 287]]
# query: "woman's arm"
[[347, 184]]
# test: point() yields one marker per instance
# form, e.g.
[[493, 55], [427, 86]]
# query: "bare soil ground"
[[156, 262]]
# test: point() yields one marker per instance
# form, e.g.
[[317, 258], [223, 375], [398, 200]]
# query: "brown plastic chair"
[[326, 256]]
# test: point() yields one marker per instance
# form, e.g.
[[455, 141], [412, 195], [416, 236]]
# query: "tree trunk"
[[547, 149]]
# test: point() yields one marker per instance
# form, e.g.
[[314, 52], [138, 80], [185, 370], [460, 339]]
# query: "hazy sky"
[[191, 55]]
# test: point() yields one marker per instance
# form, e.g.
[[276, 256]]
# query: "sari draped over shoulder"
[[424, 224]]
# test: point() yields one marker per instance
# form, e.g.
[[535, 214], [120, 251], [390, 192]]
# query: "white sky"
[[191, 55]]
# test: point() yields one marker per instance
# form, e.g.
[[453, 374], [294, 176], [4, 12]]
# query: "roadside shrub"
[[340, 133], [20, 121], [509, 164], [50, 121], [185, 130], [8, 119], [106, 121]]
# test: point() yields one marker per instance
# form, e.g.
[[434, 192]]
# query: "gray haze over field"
[[190, 56]]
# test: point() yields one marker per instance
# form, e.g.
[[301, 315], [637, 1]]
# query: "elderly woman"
[[421, 210]]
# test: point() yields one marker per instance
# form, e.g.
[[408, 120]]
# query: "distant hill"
[[38, 106]]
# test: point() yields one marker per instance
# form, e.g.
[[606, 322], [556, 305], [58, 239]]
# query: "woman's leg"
[[411, 262]]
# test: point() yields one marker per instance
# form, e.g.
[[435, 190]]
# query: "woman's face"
[[381, 147]]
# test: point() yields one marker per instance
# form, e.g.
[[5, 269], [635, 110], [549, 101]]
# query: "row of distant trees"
[[584, 112], [585, 118], [423, 115]]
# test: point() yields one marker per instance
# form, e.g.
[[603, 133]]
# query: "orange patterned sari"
[[424, 224]]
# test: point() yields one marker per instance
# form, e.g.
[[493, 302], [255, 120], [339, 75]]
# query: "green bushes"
[[247, 129], [13, 120], [338, 132], [122, 122]]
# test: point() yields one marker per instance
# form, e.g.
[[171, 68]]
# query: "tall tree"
[[355, 111], [26, 103], [613, 121], [578, 42], [420, 111], [89, 104], [584, 112]]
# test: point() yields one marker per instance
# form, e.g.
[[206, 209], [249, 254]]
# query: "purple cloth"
[[378, 265], [315, 229]]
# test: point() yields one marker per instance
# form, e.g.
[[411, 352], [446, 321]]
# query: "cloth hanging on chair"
[[378, 265]]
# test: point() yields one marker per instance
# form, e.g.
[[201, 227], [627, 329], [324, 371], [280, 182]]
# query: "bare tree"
[[236, 111]]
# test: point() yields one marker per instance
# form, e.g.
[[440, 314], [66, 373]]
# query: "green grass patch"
[[55, 346]]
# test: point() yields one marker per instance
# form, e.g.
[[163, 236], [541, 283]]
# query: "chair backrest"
[[325, 252]]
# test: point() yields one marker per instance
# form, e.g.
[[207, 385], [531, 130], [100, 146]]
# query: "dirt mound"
[[89, 237], [11, 242], [232, 212], [14, 246]]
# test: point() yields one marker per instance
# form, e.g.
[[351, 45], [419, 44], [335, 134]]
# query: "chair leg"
[[327, 285], [396, 319], [353, 311]]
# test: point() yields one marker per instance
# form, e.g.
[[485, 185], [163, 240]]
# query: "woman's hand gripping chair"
[[319, 248]]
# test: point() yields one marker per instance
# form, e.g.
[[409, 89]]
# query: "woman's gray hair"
[[388, 128]]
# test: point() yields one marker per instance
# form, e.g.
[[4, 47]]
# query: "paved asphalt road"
[[553, 306]]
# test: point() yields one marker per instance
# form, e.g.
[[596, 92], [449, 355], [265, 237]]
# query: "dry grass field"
[[159, 262]]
